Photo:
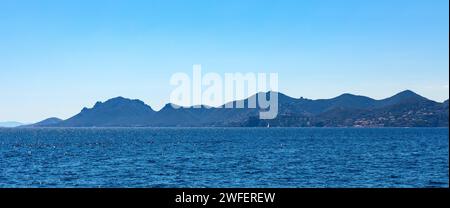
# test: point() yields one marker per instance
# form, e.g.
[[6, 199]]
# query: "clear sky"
[[59, 56]]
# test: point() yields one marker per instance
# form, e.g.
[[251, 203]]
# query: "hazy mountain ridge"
[[10, 124], [405, 109], [47, 122]]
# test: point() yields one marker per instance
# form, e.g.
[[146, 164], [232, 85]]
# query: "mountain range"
[[405, 109]]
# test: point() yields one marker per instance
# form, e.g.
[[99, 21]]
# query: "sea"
[[224, 157]]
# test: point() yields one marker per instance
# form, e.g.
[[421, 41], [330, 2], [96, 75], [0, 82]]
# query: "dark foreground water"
[[224, 157]]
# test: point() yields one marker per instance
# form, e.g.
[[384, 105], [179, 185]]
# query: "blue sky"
[[59, 56]]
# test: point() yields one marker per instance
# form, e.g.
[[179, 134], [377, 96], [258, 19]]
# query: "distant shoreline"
[[404, 109], [228, 127]]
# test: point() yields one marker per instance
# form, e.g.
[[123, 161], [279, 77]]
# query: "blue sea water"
[[224, 157]]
